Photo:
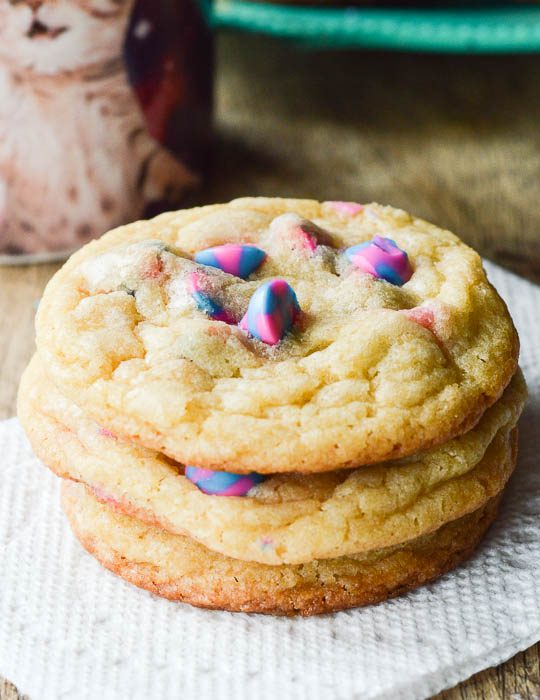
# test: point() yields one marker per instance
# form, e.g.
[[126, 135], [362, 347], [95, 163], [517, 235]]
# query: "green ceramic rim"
[[494, 29]]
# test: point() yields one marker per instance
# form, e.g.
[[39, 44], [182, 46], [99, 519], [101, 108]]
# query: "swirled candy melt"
[[236, 259], [204, 301], [272, 311], [383, 259], [222, 483]]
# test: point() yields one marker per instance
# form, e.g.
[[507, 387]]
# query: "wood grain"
[[453, 139]]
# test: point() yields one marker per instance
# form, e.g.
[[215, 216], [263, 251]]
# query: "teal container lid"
[[484, 28]]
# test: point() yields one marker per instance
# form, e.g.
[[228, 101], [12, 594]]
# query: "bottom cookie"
[[179, 568]]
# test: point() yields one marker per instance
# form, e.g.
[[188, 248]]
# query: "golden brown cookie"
[[287, 519], [178, 568], [373, 364]]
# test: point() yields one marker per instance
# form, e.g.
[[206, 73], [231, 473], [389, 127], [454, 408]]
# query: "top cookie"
[[327, 355]]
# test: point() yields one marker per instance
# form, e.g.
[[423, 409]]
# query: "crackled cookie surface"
[[287, 518], [357, 354], [180, 569]]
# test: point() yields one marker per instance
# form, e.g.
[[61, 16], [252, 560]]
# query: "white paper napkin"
[[69, 629]]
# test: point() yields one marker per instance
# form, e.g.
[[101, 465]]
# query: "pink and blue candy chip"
[[222, 483], [210, 307], [204, 302], [382, 258], [234, 258], [272, 311]]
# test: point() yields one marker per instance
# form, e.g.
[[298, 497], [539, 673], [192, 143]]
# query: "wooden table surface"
[[453, 139]]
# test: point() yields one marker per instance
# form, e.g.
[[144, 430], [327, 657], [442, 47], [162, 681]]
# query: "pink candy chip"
[[102, 496], [349, 208], [107, 433], [154, 270], [307, 240], [301, 235], [422, 315], [195, 282]]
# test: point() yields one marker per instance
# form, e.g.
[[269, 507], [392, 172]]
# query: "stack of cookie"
[[276, 405]]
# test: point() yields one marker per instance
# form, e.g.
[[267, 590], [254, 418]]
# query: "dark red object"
[[168, 52]]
